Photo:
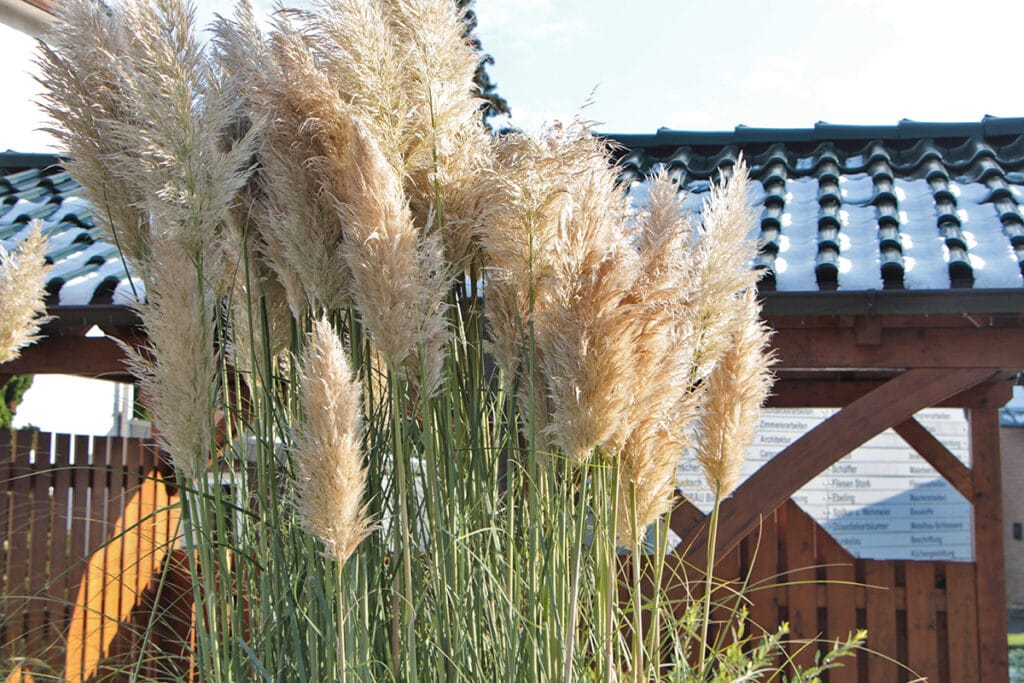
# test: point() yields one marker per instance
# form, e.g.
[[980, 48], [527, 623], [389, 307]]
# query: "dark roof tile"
[[917, 206], [86, 267]]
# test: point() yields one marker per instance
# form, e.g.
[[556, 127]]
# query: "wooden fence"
[[88, 525], [921, 617]]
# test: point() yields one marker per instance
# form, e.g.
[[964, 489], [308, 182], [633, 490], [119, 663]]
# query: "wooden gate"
[[921, 617]]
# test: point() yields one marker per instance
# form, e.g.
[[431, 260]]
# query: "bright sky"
[[690, 64], [713, 65]]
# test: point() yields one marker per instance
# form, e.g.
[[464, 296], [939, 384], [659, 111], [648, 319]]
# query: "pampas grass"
[[88, 103], [316, 211], [22, 291], [331, 478], [177, 370], [736, 389]]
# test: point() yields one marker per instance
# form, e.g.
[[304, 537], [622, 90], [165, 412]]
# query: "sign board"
[[883, 501]]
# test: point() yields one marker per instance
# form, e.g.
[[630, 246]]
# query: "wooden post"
[[988, 544]]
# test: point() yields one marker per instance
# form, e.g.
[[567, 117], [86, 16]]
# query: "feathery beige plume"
[[519, 242], [302, 234], [132, 95], [256, 269], [354, 43], [22, 293], [562, 267], [586, 331], [648, 463], [180, 116], [405, 71], [663, 347], [88, 102], [736, 389], [177, 369], [449, 155], [438, 64], [686, 306], [398, 275], [720, 270], [331, 478], [151, 128]]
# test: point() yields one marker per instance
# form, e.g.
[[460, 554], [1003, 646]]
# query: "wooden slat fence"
[[85, 525], [920, 614]]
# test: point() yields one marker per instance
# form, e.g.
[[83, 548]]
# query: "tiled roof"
[[914, 206], [87, 269]]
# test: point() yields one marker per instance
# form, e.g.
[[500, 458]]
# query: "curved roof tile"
[[916, 206]]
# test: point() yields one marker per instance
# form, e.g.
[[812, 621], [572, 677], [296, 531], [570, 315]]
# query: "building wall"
[[1012, 447]]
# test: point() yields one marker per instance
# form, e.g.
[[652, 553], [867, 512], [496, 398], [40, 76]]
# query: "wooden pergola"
[[880, 363], [859, 329]]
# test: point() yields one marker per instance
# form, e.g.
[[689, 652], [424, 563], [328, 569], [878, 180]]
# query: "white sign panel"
[[883, 501]]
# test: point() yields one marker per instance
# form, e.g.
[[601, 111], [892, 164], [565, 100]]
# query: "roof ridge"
[[906, 129]]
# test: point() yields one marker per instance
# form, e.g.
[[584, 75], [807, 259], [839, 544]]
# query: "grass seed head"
[[331, 478], [22, 293]]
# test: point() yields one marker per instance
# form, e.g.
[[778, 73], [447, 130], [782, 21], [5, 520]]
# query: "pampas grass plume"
[[22, 291], [736, 389], [177, 370], [331, 475]]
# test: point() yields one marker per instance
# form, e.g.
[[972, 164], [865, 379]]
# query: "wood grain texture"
[[962, 622], [937, 455], [890, 404], [988, 544]]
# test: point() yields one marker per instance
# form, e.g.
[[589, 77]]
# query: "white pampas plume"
[[177, 370], [331, 475], [22, 291], [736, 389]]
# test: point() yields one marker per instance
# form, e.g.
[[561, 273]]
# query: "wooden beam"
[[937, 455], [988, 544], [808, 392], [89, 357], [45, 5], [901, 348], [892, 403], [28, 16]]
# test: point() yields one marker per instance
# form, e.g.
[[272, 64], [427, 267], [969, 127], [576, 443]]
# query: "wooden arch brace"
[[938, 456], [891, 404]]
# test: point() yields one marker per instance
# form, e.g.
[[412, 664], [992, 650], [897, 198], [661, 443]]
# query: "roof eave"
[[988, 127], [894, 302], [105, 315]]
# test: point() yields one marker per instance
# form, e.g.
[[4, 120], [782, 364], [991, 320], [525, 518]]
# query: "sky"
[[714, 65], [697, 65]]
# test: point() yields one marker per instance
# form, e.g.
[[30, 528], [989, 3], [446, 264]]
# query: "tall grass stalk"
[[425, 389]]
